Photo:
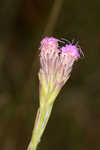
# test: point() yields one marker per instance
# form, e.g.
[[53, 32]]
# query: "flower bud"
[[56, 65]]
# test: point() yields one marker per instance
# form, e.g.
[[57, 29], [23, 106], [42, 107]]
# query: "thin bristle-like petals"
[[56, 63]]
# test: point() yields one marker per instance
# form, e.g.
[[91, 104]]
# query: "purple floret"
[[71, 49], [49, 41]]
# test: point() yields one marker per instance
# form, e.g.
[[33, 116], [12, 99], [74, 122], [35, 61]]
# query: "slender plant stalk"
[[52, 19], [39, 127]]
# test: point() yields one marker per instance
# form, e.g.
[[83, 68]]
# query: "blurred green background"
[[75, 120]]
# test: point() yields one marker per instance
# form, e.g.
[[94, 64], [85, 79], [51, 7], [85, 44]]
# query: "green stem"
[[39, 127]]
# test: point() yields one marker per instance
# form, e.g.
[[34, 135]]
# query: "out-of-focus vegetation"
[[75, 120]]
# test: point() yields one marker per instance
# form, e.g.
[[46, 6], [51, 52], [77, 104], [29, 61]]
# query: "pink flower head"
[[56, 63], [49, 44], [49, 41], [71, 50]]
